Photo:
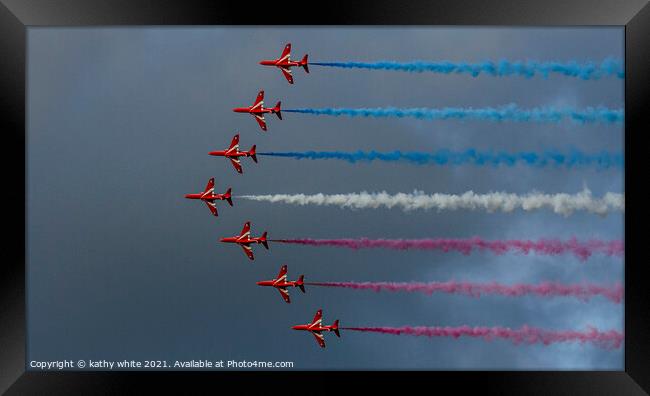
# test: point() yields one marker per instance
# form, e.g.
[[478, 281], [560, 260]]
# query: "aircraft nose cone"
[[258, 283], [294, 327]]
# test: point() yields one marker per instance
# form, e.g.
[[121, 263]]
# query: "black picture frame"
[[17, 15]]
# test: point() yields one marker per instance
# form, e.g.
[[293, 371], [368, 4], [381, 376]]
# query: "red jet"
[[316, 328], [209, 197], [244, 240], [233, 153], [285, 63], [281, 283], [258, 110]]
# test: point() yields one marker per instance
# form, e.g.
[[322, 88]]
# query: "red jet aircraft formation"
[[244, 239]]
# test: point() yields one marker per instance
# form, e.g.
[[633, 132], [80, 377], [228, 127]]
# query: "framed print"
[[431, 192]]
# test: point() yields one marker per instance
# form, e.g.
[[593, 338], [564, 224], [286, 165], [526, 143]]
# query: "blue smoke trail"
[[585, 71], [509, 112], [571, 159]]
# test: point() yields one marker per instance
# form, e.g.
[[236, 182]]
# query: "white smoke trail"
[[562, 203]]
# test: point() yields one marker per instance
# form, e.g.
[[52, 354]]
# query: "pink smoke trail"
[[545, 289], [525, 335], [582, 249]]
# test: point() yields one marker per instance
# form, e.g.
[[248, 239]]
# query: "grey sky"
[[121, 266]]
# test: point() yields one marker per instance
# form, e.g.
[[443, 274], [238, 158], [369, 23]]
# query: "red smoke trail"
[[524, 335], [582, 250], [545, 289]]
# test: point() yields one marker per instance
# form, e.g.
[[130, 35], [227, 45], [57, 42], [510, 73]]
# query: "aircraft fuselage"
[[313, 327], [280, 63], [261, 110], [275, 283], [206, 197], [229, 154], [241, 241]]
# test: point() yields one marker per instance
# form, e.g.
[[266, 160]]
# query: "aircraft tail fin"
[[228, 196], [303, 63], [301, 283], [277, 110], [253, 153], [335, 328], [264, 241]]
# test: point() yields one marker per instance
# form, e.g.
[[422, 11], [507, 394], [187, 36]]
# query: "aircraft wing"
[[260, 120], [318, 317], [287, 74], [259, 101], [210, 187], [246, 230], [234, 143], [283, 273], [249, 251], [285, 294], [235, 162], [319, 338], [213, 207], [286, 52]]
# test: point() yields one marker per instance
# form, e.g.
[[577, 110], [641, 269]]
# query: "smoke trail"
[[545, 289], [509, 112], [609, 67], [582, 250], [525, 335], [573, 158], [564, 204]]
